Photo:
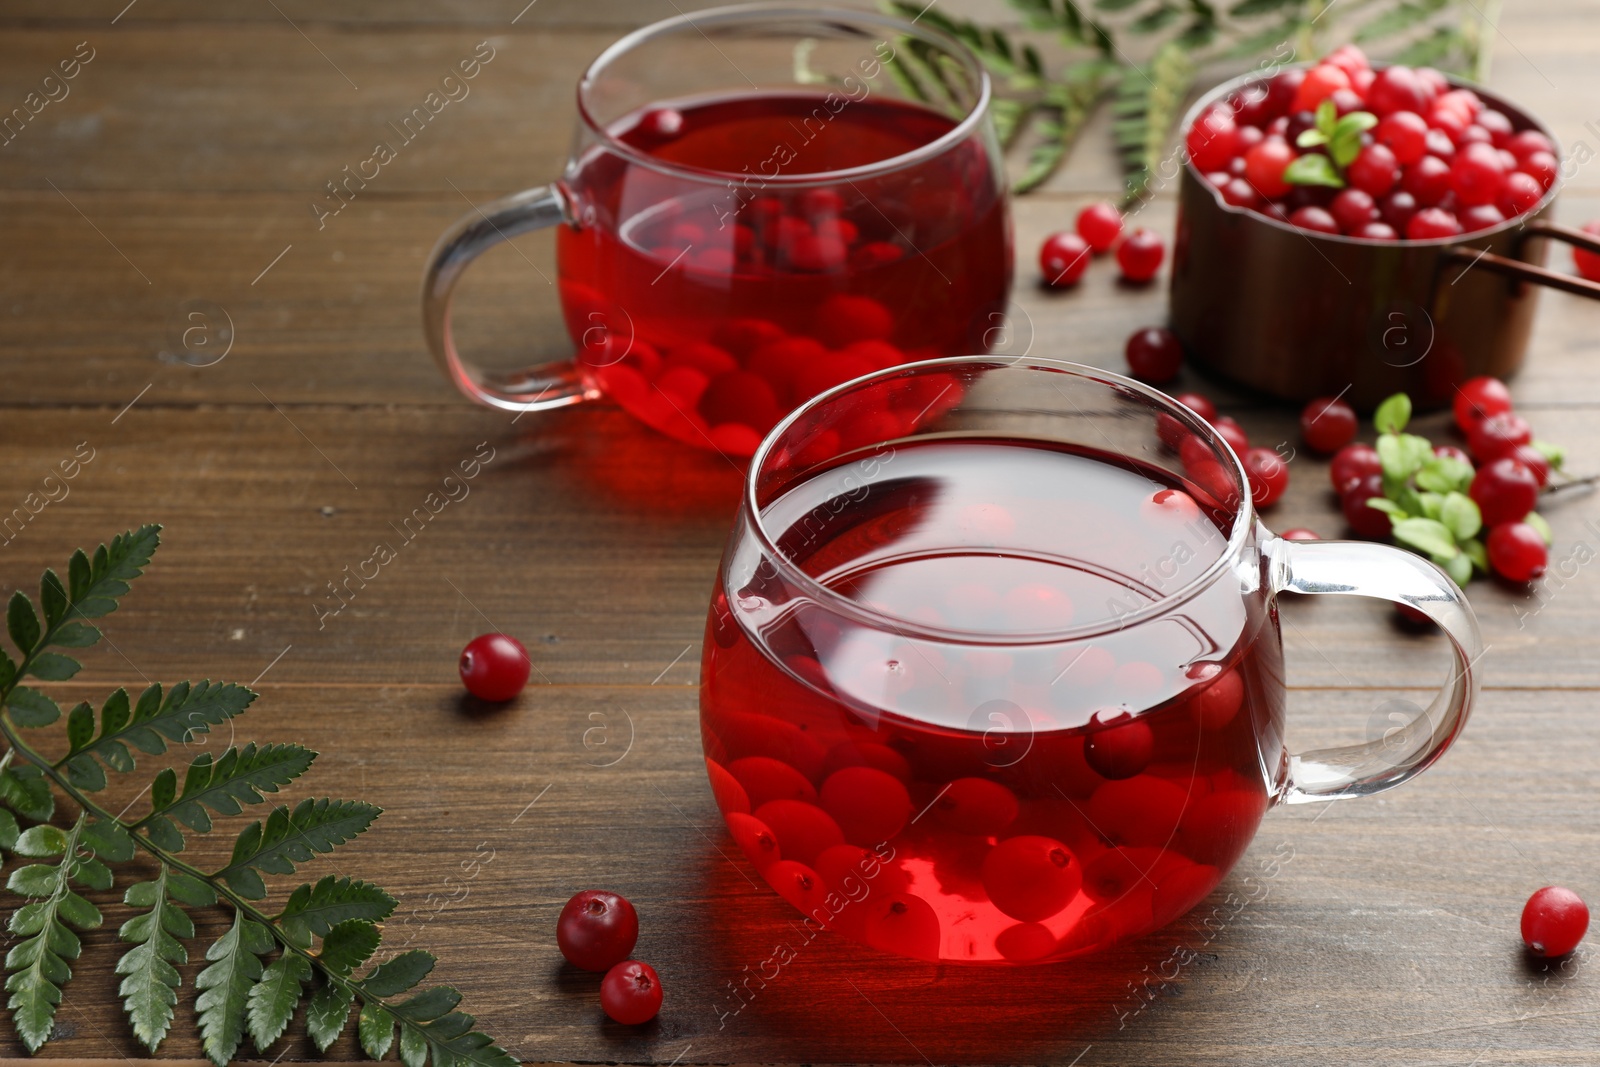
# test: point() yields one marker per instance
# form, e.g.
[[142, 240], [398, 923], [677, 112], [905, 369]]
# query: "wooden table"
[[176, 180]]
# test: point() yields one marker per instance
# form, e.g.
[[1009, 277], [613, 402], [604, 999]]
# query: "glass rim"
[[1243, 512], [754, 14]]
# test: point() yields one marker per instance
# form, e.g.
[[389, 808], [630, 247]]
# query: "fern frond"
[[225, 986], [237, 777], [313, 910], [286, 837], [1149, 101], [150, 984], [38, 964]]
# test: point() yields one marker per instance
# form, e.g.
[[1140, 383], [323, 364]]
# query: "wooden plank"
[[1381, 931]]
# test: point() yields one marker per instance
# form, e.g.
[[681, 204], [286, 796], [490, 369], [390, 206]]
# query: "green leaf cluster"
[[309, 951], [1341, 136]]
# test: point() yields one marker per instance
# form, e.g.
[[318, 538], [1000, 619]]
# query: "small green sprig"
[[271, 958], [1342, 138]]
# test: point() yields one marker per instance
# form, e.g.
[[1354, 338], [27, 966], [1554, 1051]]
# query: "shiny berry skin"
[[1497, 435], [1232, 433], [1554, 920], [1480, 217], [1268, 474], [1525, 143], [1377, 231], [1440, 145], [1544, 167], [1477, 399], [1476, 173], [1588, 263], [1264, 165], [1031, 878], [1432, 222], [1321, 82], [1198, 404], [1353, 209], [630, 993], [1427, 180], [1397, 209], [1100, 224], [1300, 533], [1154, 354], [1520, 193], [1281, 91], [1537, 462], [1364, 519], [1504, 490], [1327, 424], [1062, 259], [1405, 134], [1396, 89], [1516, 551], [597, 930], [1348, 58], [1452, 452], [1315, 219], [1375, 171], [1351, 464], [1210, 140], [1120, 746], [1237, 192], [494, 667], [1140, 254]]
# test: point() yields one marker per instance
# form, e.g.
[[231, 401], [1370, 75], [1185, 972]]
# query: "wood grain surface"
[[178, 178]]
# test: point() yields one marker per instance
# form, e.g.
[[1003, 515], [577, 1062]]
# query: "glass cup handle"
[[1359, 568], [548, 385]]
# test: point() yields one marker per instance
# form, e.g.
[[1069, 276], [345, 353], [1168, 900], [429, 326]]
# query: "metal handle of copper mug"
[[1528, 272]]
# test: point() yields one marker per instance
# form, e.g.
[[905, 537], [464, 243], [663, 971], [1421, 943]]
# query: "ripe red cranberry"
[[597, 930], [1475, 134], [1480, 217], [1264, 165], [1139, 255], [1505, 491], [1476, 174], [1554, 920], [1520, 193], [1321, 82], [1299, 122], [1588, 263], [1154, 354], [1268, 474], [1315, 219], [1537, 462], [1374, 171], [1327, 424], [1250, 107], [1119, 745], [630, 993], [1353, 209], [1524, 143], [1100, 224], [1062, 259], [1397, 209], [1231, 432], [1439, 144], [1199, 405], [1432, 222], [1238, 193], [494, 667], [1246, 138], [1377, 231], [1210, 140], [1348, 58], [1300, 533], [1452, 452], [1517, 552], [1544, 167], [1427, 180], [1477, 399], [1030, 878], [1498, 125], [1346, 101], [1450, 120], [1497, 435], [1405, 133], [1363, 518], [1281, 91], [1396, 89], [1351, 464]]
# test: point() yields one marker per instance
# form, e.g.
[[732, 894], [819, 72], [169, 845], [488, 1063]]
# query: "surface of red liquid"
[[992, 797], [711, 300]]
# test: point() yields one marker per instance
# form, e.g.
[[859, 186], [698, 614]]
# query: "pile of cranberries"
[[597, 931], [1065, 256], [1436, 163]]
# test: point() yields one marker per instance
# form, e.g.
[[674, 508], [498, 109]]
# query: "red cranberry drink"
[[1010, 689]]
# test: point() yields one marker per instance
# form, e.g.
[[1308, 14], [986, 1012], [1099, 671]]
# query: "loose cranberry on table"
[[1588, 263], [597, 930], [1154, 355], [1497, 435], [1327, 424], [1062, 259], [1363, 518], [1100, 224], [1554, 920], [1477, 399], [1231, 432], [630, 993], [1353, 463], [1517, 551], [1139, 255], [1504, 490], [494, 667], [1268, 474]]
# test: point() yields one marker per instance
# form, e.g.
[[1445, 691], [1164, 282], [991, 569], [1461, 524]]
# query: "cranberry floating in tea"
[[1009, 687], [725, 253]]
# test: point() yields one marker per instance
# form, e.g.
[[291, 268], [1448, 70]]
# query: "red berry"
[[1497, 435], [1264, 165], [1505, 491], [1396, 89], [1397, 209], [1377, 231], [1063, 258], [1405, 133], [1537, 462], [494, 667], [1363, 518], [1427, 180], [1281, 91], [1120, 745], [1348, 58], [1525, 143], [1268, 474], [1498, 125], [1210, 140], [1517, 552], [1554, 920], [1199, 405], [1154, 354], [1353, 209], [1449, 120], [1351, 464], [1238, 193], [1327, 424], [1300, 533], [1139, 255], [1439, 144], [597, 930], [1480, 217], [1432, 222], [1476, 174], [1315, 219], [1544, 167], [1100, 224], [1232, 433], [1520, 192], [1345, 101], [1374, 171], [1452, 452], [1031, 878], [1477, 399], [1321, 82], [631, 993], [1588, 263], [1475, 134]]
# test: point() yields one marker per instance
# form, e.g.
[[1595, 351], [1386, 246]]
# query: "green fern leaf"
[[225, 986], [1399, 19], [313, 910], [24, 790], [31, 708], [285, 838], [1150, 98], [1251, 8], [150, 984], [38, 963], [96, 586], [348, 945], [326, 1014], [413, 1047], [22, 623], [272, 999], [395, 976], [9, 831], [375, 1027], [52, 666], [237, 777]]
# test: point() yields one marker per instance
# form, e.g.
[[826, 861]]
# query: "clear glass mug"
[[1007, 685], [760, 203]]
